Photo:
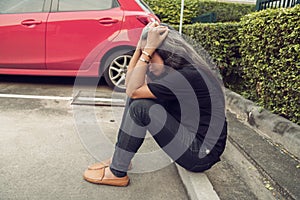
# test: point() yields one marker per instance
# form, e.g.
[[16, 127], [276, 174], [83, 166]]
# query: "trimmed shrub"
[[169, 10], [258, 57], [270, 49], [221, 41], [226, 12]]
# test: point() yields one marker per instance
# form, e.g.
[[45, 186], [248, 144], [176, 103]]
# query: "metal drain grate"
[[99, 99]]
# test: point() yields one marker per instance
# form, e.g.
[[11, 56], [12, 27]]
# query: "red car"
[[71, 38]]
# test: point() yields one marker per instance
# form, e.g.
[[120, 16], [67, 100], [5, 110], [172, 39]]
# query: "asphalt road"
[[46, 143]]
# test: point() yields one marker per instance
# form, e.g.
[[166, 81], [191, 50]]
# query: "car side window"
[[81, 5], [24, 6]]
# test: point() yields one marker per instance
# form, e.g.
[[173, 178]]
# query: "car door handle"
[[30, 22], [108, 21]]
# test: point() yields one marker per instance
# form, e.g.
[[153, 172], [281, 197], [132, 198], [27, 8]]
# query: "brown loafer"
[[97, 176], [97, 166], [104, 164]]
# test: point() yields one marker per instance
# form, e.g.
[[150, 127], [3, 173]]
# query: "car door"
[[22, 33], [76, 27]]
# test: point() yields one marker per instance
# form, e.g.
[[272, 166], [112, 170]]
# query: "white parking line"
[[91, 99], [20, 96]]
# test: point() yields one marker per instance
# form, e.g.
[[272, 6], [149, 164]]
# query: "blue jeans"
[[182, 146]]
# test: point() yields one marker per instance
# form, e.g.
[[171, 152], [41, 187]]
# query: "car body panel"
[[71, 36], [69, 43], [23, 40]]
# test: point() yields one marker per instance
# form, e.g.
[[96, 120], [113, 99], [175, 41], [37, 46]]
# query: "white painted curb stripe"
[[20, 96]]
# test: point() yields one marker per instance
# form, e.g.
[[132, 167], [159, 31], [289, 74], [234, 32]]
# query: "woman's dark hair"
[[168, 50], [177, 53]]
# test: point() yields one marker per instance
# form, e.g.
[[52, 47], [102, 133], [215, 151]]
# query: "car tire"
[[115, 69]]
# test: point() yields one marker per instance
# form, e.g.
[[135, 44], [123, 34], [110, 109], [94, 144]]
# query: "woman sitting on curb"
[[176, 97]]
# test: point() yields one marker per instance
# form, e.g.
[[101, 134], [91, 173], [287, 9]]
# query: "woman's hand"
[[156, 35], [142, 42]]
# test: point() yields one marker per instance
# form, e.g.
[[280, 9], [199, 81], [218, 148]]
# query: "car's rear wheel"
[[116, 68]]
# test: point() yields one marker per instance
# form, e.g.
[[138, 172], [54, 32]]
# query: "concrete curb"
[[278, 129], [197, 185]]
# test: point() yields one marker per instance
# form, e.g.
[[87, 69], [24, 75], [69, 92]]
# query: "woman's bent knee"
[[139, 111]]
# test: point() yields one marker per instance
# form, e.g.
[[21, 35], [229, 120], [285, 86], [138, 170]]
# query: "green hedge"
[[221, 41], [169, 10], [270, 49], [259, 57]]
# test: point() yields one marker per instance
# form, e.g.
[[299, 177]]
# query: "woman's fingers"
[[156, 31], [162, 29], [153, 24], [156, 35], [164, 33]]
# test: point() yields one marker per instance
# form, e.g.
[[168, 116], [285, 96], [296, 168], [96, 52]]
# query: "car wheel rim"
[[118, 69]]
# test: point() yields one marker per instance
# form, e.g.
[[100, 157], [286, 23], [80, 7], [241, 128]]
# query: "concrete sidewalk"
[[43, 157]]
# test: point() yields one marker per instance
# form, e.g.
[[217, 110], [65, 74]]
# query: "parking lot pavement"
[[43, 157]]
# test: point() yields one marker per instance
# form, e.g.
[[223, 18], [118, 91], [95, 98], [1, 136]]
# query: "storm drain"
[[99, 99]]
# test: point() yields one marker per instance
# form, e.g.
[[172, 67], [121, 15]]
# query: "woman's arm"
[[136, 86], [133, 63]]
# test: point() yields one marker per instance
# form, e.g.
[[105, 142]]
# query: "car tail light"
[[145, 19]]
